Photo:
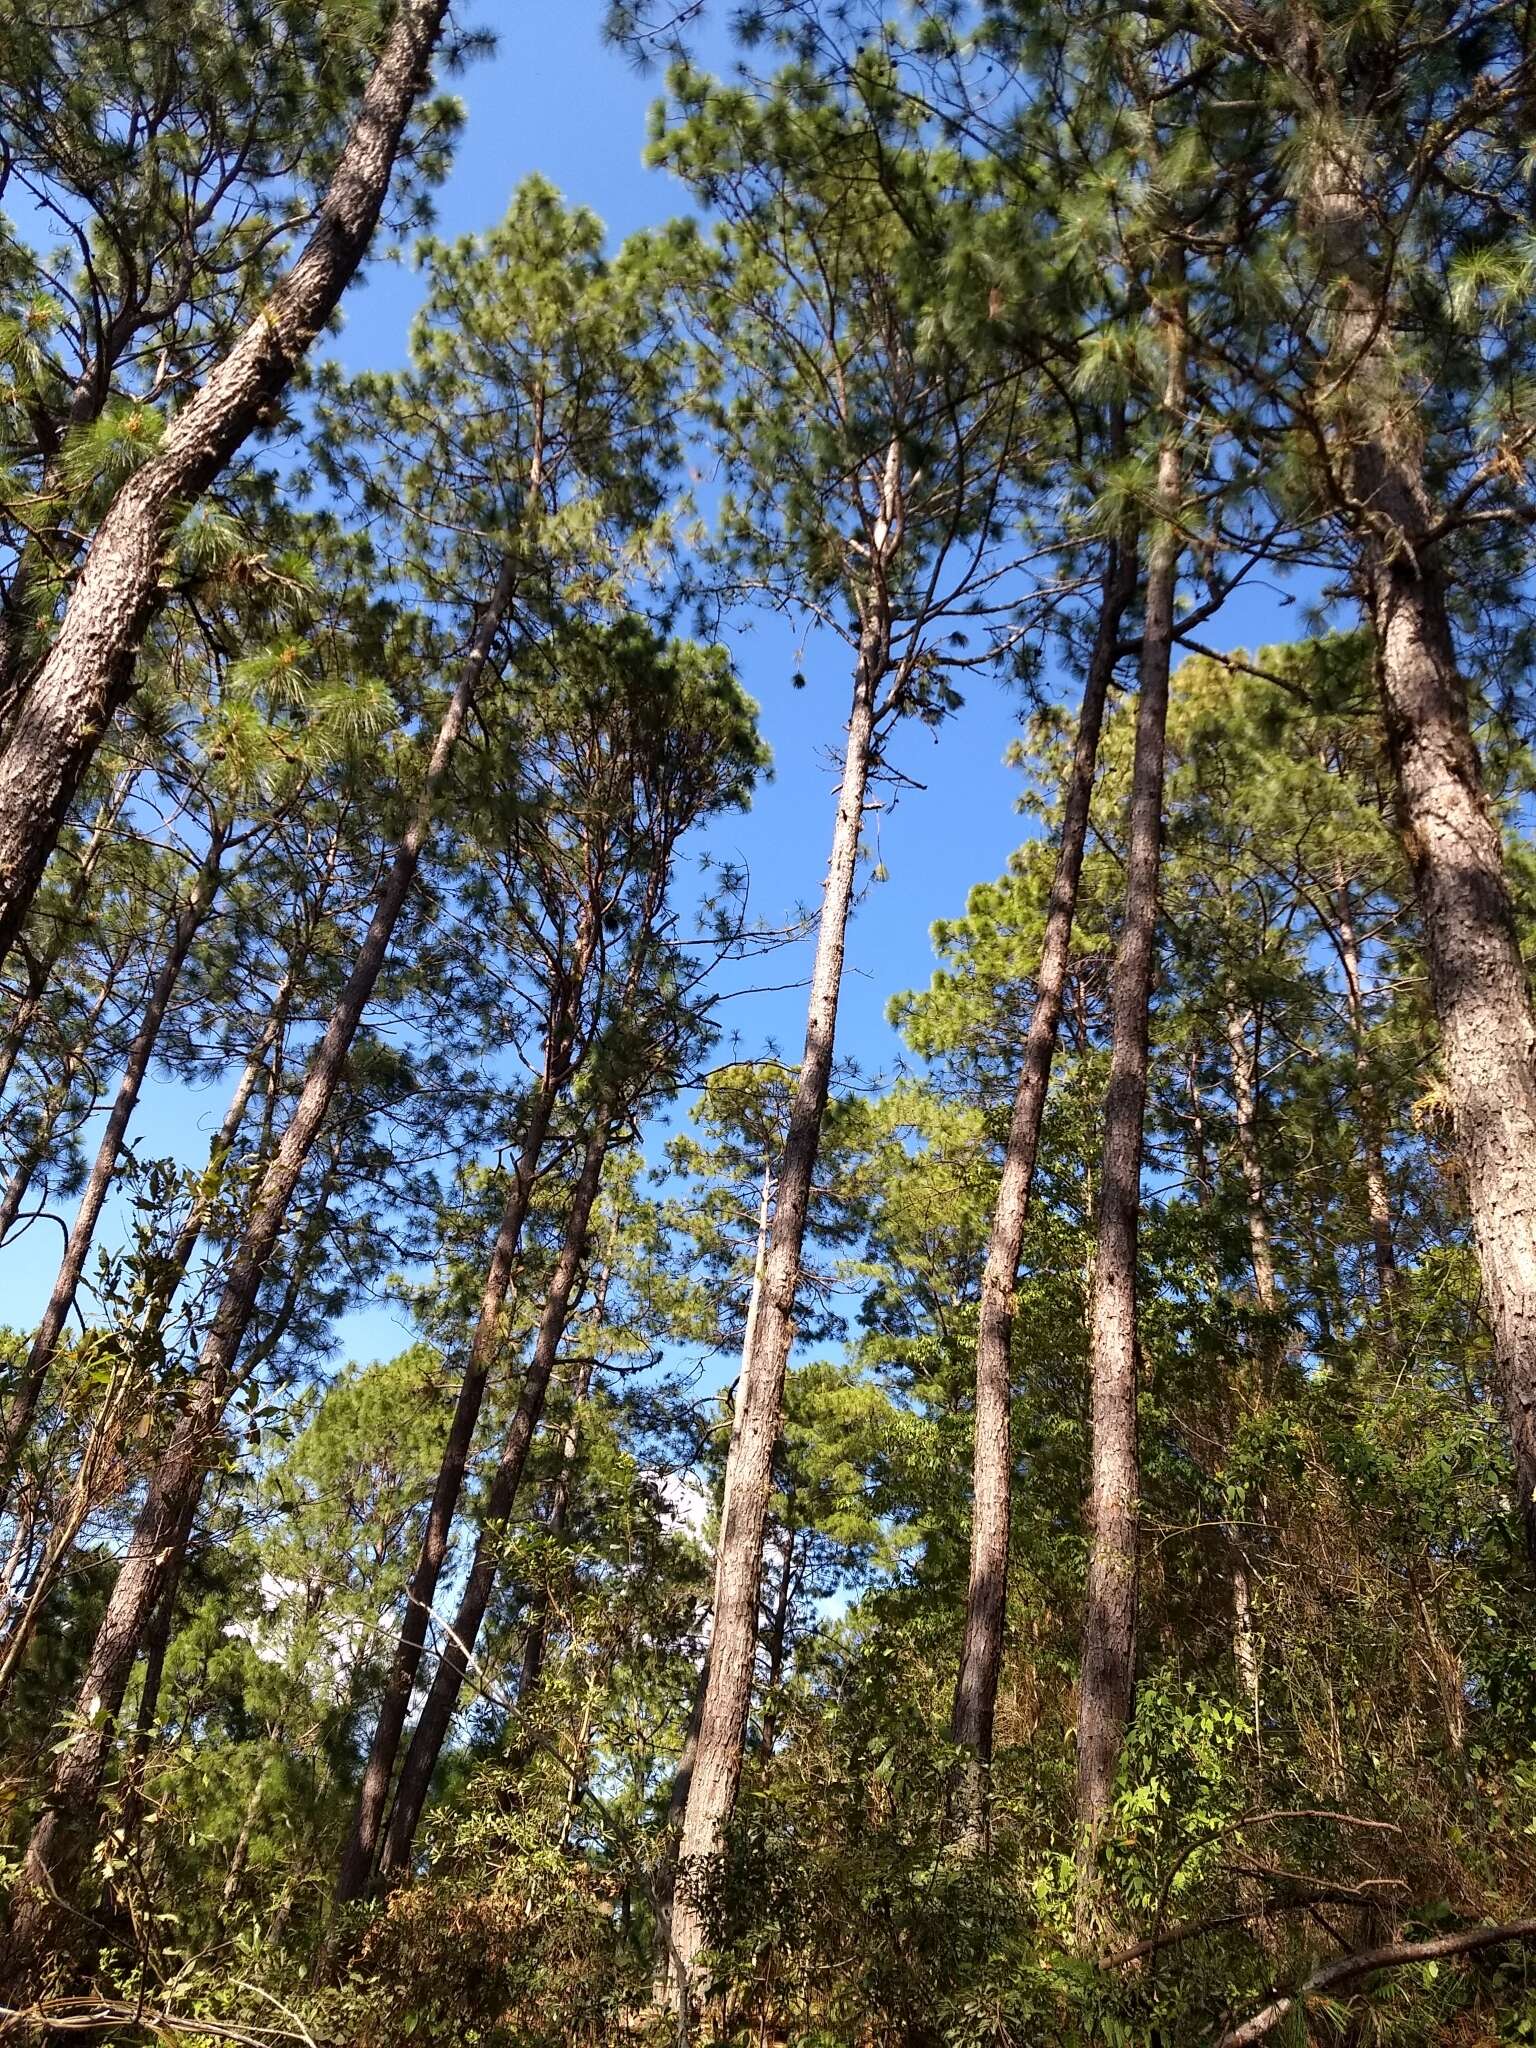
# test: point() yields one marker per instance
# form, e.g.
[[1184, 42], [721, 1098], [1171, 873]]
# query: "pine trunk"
[[1108, 1671], [453, 1665], [59, 1845], [362, 1843], [88, 672], [727, 1698], [1481, 994], [975, 1703], [184, 930], [1378, 1197]]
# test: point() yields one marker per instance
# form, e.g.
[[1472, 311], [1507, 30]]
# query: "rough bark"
[[88, 672], [975, 1703], [362, 1842], [453, 1665], [1478, 979], [59, 1842], [185, 926], [1109, 1630], [749, 1469]]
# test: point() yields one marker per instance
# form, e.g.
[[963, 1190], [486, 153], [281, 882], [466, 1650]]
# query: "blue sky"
[[555, 100]]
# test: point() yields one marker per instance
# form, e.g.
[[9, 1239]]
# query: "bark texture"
[[88, 672], [1481, 995], [1107, 1677], [981, 1656]]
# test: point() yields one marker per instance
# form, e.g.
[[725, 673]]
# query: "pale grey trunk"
[[739, 1555]]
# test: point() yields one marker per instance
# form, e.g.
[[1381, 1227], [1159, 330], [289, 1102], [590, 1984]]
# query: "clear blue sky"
[[555, 100]]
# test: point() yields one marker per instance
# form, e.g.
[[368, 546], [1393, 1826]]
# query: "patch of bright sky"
[[555, 100]]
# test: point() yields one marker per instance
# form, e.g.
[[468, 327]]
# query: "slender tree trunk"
[[1481, 995], [57, 1850], [53, 1106], [1245, 1636], [536, 1638], [157, 1642], [453, 1665], [240, 1854], [89, 670], [373, 1794], [749, 1470], [778, 1638], [1109, 1629], [981, 1657], [124, 1383], [1243, 1058], [188, 922], [1377, 1195], [682, 1777], [40, 969]]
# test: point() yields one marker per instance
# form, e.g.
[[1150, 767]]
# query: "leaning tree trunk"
[[59, 1845], [975, 1704], [717, 1759], [362, 1843], [453, 1665], [1481, 994], [1109, 1628], [88, 672], [55, 1102], [125, 1384], [184, 929]]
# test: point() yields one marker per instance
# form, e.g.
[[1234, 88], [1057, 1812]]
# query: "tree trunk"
[[1109, 1630], [981, 1657], [749, 1467], [1244, 1065], [184, 929], [1377, 1194], [40, 969], [537, 1635], [1482, 999], [453, 1665], [362, 1842], [778, 1638], [58, 1847], [126, 1382], [54, 1104], [88, 672], [682, 1777]]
